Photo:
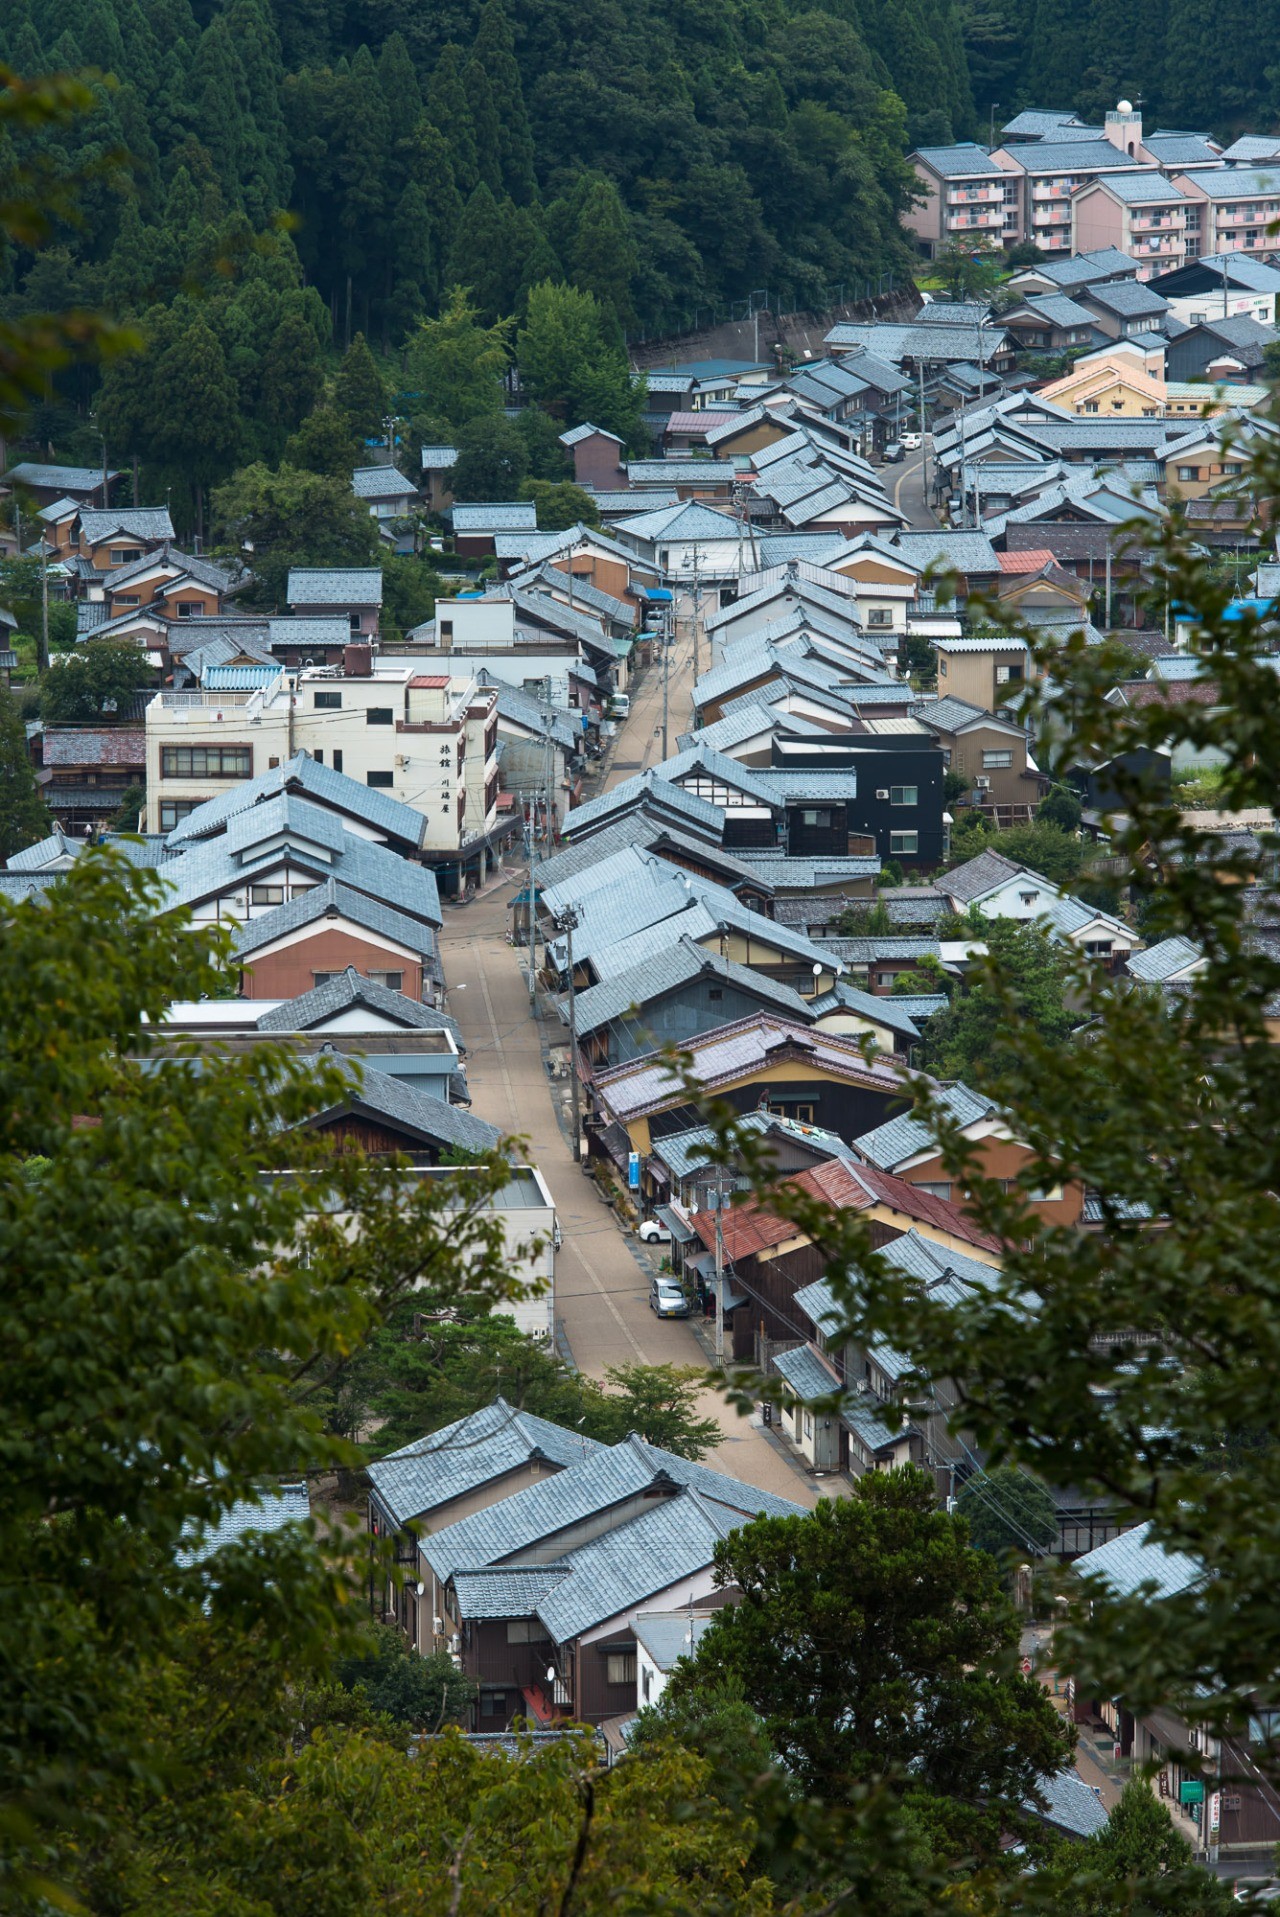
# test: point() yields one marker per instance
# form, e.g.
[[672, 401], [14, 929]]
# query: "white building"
[[429, 740]]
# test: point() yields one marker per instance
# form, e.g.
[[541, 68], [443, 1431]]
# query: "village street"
[[602, 1272]]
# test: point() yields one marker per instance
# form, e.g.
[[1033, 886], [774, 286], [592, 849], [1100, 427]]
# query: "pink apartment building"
[[965, 195], [1140, 213], [1229, 209]]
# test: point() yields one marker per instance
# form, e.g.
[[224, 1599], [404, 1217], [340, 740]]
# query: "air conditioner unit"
[[401, 761], [455, 1645], [437, 1624], [882, 792], [983, 783]]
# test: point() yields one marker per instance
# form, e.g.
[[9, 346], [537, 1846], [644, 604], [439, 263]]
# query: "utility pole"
[[664, 641], [924, 448], [567, 922], [991, 132], [42, 661], [533, 923], [697, 608]]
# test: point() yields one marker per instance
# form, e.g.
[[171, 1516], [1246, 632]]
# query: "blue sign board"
[[633, 1171]]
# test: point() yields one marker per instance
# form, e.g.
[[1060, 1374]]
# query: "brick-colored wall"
[[288, 973]]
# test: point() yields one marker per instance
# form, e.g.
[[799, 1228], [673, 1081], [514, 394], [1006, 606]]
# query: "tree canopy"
[[873, 1641]]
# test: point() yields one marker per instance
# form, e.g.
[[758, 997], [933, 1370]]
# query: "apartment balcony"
[[976, 195], [1049, 216], [1051, 192], [1157, 223], [975, 222]]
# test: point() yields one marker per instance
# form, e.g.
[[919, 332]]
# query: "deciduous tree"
[[23, 818], [274, 520]]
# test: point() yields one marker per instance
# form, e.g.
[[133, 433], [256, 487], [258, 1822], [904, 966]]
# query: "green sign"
[[1191, 1790]]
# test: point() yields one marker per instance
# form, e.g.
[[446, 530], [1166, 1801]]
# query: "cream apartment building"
[[429, 740]]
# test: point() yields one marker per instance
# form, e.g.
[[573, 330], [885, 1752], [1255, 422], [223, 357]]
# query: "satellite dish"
[[1125, 106]]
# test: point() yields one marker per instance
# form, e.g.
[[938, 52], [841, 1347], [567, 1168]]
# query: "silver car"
[[667, 1297]]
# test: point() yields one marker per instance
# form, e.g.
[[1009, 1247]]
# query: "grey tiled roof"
[[631, 792], [960, 162], [1158, 962], [690, 520], [961, 552], [892, 1143], [495, 516], [334, 586], [1131, 299], [65, 479], [508, 1592], [334, 898], [1235, 183], [271, 1510], [318, 782], [381, 482], [1130, 1561], [592, 1483], [666, 972], [1141, 189], [977, 876], [665, 1635], [437, 459], [805, 1372], [1104, 263], [395, 1100], [866, 951], [461, 1458], [1074, 156], [1069, 1803], [137, 522], [883, 1010], [350, 989], [949, 715], [216, 865], [668, 1541]]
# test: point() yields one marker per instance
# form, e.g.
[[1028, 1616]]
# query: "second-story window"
[[379, 716]]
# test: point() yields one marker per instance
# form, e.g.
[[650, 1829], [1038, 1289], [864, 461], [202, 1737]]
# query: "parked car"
[[893, 453], [668, 1298], [620, 705], [654, 1232], [911, 442]]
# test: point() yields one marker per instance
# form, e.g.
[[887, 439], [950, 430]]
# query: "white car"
[[910, 442], [654, 1232]]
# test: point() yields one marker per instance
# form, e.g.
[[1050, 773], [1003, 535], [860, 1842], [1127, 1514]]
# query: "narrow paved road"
[[601, 1286], [909, 496]]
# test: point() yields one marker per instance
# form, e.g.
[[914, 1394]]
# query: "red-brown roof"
[[691, 424], [753, 1228], [435, 680], [1170, 692], [1033, 560]]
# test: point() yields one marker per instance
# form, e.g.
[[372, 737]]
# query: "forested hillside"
[[662, 155], [1192, 65]]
